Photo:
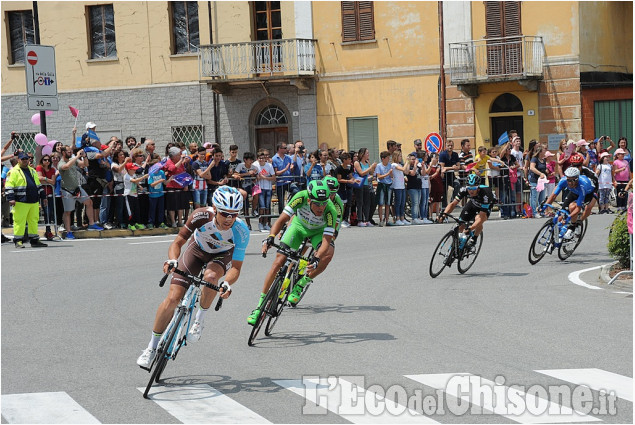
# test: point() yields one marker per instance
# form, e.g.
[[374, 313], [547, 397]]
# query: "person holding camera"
[[299, 159], [72, 190]]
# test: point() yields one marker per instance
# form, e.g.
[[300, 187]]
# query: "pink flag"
[[74, 112]]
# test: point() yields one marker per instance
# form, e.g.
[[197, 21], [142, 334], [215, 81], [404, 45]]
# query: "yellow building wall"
[[482, 104], [600, 24], [142, 33], [405, 107], [406, 35], [555, 21]]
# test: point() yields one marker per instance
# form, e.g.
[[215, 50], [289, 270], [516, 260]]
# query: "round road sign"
[[40, 80], [31, 57], [433, 143]]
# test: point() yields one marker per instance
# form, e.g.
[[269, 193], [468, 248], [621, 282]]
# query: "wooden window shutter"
[[349, 21], [366, 20], [511, 20], [493, 19]]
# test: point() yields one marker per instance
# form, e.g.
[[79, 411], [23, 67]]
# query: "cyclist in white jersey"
[[219, 240]]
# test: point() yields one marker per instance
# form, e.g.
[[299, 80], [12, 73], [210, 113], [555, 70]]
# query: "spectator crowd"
[[129, 185]]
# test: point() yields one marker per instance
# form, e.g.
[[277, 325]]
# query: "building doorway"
[[506, 113], [272, 128], [503, 124]]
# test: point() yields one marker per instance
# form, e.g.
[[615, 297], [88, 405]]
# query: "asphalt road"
[[76, 315]]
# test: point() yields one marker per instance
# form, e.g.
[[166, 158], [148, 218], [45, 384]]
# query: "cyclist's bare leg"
[[271, 274], [166, 308], [574, 210], [588, 209], [213, 273], [477, 226]]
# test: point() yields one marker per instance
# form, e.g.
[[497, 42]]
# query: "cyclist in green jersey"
[[315, 218], [334, 185]]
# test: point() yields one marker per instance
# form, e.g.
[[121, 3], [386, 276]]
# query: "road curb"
[[604, 273]]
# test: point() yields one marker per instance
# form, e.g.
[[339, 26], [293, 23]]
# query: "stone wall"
[[559, 102]]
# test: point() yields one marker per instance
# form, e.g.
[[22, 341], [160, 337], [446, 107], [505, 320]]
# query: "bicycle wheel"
[[469, 254], [164, 352], [442, 254], [568, 246], [280, 302], [541, 242], [270, 298]]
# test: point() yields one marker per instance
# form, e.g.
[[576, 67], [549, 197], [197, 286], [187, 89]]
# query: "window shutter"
[[366, 20], [349, 21], [511, 23], [493, 19]]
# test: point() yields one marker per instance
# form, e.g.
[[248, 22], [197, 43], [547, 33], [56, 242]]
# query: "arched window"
[[271, 115], [506, 102]]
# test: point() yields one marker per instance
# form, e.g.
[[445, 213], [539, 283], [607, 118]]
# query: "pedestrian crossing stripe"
[[596, 379], [44, 408], [201, 404], [198, 403]]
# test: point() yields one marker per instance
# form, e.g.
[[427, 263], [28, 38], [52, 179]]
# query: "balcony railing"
[[496, 59], [233, 61]]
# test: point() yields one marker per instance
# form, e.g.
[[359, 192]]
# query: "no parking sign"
[[433, 143]]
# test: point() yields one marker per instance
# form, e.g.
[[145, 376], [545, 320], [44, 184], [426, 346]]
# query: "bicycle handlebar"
[[197, 281], [458, 220], [289, 253]]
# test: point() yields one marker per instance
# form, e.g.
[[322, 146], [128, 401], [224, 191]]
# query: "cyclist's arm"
[[280, 222], [174, 251], [324, 247], [234, 272]]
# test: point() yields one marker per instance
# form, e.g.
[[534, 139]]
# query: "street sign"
[[41, 79], [433, 143]]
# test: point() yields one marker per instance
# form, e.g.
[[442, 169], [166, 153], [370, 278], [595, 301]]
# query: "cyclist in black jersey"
[[477, 208]]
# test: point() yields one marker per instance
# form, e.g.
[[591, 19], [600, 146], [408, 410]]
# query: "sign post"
[[41, 79]]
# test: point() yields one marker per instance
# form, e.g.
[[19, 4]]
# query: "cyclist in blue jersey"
[[581, 191], [219, 240]]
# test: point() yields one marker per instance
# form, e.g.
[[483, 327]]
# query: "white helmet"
[[227, 198], [572, 172]]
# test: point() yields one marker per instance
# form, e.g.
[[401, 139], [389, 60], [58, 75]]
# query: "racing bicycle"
[[175, 335], [552, 235], [449, 249], [276, 299]]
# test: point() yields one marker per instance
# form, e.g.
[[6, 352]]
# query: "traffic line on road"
[[596, 379], [44, 408], [201, 404], [574, 277], [472, 389], [320, 393], [144, 243]]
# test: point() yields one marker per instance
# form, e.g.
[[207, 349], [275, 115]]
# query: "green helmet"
[[318, 191], [332, 183]]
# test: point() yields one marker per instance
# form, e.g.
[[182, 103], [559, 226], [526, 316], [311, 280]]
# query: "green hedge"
[[619, 245]]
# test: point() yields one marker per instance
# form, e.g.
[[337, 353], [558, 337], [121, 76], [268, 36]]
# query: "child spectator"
[[344, 173], [605, 182], [436, 185], [266, 177], [130, 192], [383, 172], [232, 164], [494, 172], [312, 169], [156, 204], [399, 188]]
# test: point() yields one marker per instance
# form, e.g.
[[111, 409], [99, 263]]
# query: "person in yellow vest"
[[23, 191]]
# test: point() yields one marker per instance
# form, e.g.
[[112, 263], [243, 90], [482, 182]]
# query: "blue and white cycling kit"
[[583, 189]]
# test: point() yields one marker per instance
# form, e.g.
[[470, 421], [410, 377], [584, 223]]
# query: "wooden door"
[[502, 19], [268, 26], [269, 138], [503, 124]]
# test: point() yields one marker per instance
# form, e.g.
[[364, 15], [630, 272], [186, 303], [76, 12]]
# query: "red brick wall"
[[588, 110]]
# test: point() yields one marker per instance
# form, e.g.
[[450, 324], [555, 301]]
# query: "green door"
[[614, 118], [363, 132]]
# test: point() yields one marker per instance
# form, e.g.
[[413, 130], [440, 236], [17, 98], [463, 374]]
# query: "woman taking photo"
[[364, 169]]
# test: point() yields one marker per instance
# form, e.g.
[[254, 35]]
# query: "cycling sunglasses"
[[319, 203], [227, 214], [572, 179], [472, 188]]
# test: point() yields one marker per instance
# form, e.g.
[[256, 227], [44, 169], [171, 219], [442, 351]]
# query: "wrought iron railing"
[[507, 58], [258, 58]]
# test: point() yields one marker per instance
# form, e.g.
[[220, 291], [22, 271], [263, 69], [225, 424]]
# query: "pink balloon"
[[48, 113], [46, 150], [41, 139], [52, 143], [35, 119]]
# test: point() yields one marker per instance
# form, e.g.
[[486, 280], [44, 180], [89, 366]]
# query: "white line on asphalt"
[[201, 404], [44, 408], [574, 277], [143, 243], [459, 385], [319, 393], [596, 379]]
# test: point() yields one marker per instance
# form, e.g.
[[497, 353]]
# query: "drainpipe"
[[442, 117], [215, 95]]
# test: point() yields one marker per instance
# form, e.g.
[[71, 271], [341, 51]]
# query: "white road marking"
[[574, 277], [201, 404], [596, 379], [318, 393], [143, 243], [459, 387], [44, 408]]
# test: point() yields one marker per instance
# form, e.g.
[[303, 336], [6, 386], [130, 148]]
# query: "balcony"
[[257, 61], [517, 58]]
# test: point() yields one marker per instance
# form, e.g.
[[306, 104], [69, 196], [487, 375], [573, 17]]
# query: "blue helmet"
[[473, 180], [227, 198]]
